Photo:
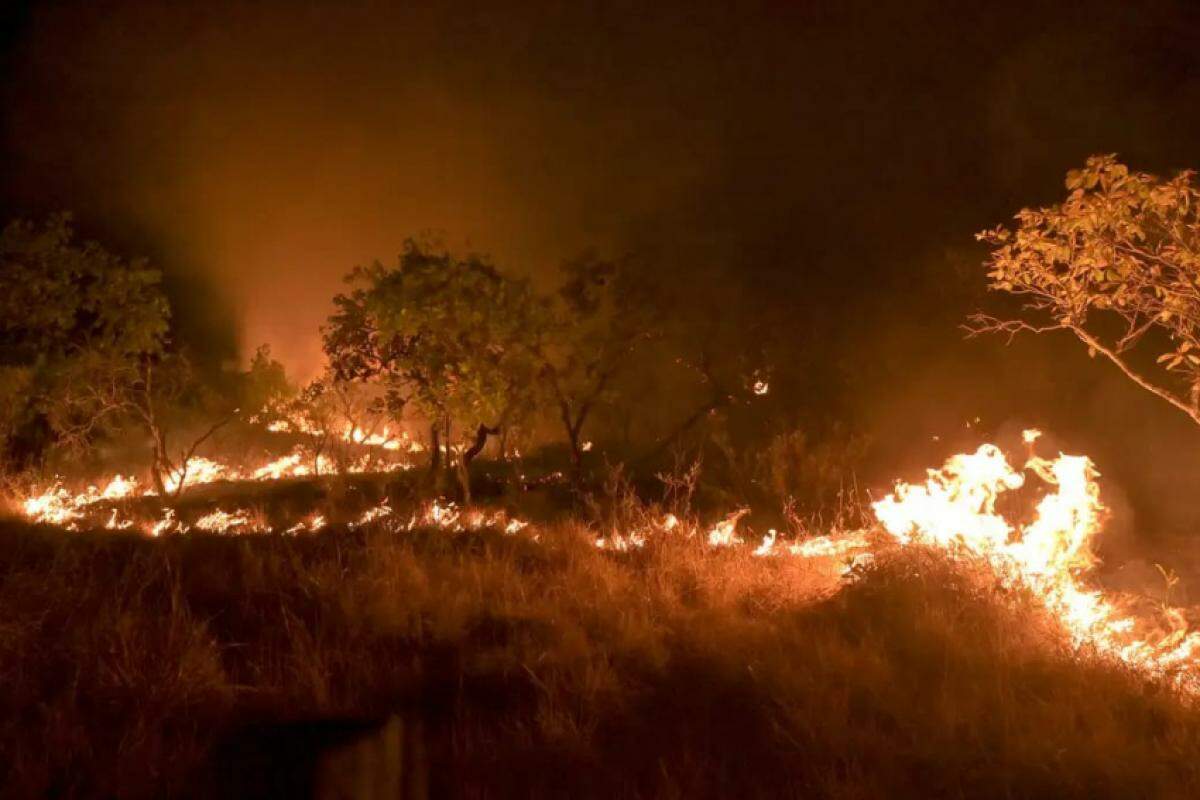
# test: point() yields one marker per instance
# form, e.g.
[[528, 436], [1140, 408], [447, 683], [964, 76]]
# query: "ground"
[[501, 664]]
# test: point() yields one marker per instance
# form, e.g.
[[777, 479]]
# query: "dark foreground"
[[383, 663]]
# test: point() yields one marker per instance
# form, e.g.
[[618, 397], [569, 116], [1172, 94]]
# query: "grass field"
[[497, 665]]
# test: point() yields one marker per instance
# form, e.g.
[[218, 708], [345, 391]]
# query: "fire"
[[224, 522], [955, 510], [58, 506], [623, 541], [724, 533], [768, 544], [197, 471], [383, 438], [448, 516], [313, 523]]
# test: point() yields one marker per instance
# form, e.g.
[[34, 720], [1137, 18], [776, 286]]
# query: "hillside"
[[540, 665]]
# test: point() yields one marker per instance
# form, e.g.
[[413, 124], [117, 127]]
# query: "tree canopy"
[[448, 335], [75, 321], [1117, 264], [602, 313]]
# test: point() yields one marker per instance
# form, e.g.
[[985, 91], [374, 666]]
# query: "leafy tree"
[[1117, 264], [604, 312], [264, 386], [72, 316], [447, 335]]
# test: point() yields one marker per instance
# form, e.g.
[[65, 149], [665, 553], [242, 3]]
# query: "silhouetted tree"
[[601, 316]]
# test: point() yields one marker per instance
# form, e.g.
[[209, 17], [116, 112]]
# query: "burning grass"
[[947, 650], [132, 667]]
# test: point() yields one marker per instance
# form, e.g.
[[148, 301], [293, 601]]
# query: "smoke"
[[271, 147]]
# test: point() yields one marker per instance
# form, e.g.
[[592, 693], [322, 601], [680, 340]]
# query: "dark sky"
[[832, 160]]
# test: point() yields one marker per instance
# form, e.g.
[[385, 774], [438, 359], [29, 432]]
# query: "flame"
[[637, 538], [768, 544], [168, 524], [829, 546], [224, 522], [58, 506], [724, 533], [955, 510], [449, 516], [313, 523]]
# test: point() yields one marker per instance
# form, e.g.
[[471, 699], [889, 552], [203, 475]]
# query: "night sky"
[[828, 161]]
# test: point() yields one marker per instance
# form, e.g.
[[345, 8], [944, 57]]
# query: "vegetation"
[[601, 316], [447, 336], [76, 325], [1116, 264], [184, 666], [346, 621]]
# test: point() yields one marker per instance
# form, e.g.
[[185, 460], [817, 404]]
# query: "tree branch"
[[1112, 356]]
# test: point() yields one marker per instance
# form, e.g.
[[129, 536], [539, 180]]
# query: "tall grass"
[[144, 668]]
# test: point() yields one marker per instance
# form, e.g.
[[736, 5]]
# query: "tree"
[[447, 335], [1117, 264], [162, 394], [264, 386], [165, 397], [717, 341], [335, 417], [601, 315], [72, 316]]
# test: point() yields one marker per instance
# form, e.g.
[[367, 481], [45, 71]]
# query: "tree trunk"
[[576, 452], [573, 427], [464, 465], [435, 452], [156, 476], [481, 436], [462, 468], [449, 461], [161, 462]]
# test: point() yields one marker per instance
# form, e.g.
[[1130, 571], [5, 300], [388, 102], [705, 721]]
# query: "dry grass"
[[142, 668]]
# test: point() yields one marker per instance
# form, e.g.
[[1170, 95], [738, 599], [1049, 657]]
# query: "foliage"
[[446, 334], [264, 385], [601, 315], [1118, 265], [61, 297], [72, 315]]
